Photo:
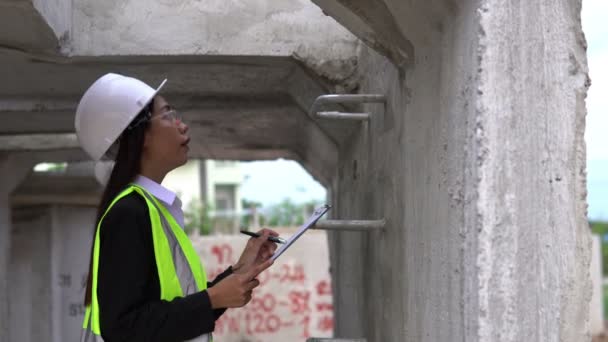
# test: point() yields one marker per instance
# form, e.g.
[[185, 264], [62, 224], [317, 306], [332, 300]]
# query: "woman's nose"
[[183, 128]]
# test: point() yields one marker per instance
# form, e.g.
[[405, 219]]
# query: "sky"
[[270, 182], [596, 134]]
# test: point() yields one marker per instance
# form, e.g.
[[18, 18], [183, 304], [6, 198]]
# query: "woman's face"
[[166, 139]]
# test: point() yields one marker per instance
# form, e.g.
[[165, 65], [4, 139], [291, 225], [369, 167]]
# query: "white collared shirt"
[[167, 197]]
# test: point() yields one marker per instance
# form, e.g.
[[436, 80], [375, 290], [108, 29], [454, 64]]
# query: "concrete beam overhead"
[[37, 142], [374, 23], [23, 28]]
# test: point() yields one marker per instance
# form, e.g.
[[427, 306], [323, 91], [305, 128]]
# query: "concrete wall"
[[5, 243], [477, 163], [13, 169], [294, 300], [30, 271], [71, 236], [49, 261]]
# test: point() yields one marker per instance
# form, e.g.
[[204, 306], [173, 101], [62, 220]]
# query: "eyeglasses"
[[171, 116]]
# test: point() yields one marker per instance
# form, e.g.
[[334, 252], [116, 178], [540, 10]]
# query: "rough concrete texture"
[[218, 27], [256, 68], [359, 16], [5, 236], [23, 28], [534, 246], [237, 107], [30, 273], [46, 29], [13, 169], [49, 260], [58, 16], [477, 163]]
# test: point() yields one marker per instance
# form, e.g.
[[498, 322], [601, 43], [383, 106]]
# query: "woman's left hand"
[[256, 251]]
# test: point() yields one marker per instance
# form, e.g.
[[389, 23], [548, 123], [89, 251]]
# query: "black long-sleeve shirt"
[[128, 287]]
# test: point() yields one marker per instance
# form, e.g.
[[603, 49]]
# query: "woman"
[[146, 282]]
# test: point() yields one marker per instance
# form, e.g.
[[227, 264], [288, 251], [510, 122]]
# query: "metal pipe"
[[350, 225], [344, 116], [345, 98]]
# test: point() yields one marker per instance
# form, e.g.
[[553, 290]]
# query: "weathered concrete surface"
[[5, 236], [13, 169], [226, 61], [361, 18], [48, 266], [477, 163], [218, 27], [237, 107], [47, 29], [534, 247], [29, 276], [24, 28]]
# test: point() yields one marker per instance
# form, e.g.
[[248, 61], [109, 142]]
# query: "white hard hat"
[[103, 170], [107, 108]]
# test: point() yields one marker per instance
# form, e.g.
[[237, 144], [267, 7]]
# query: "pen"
[[270, 238]]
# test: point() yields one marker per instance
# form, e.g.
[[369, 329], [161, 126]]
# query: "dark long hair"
[[126, 168]]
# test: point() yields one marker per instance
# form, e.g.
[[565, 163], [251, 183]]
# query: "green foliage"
[[246, 220], [247, 204], [605, 293], [196, 217], [283, 214], [601, 228], [288, 213]]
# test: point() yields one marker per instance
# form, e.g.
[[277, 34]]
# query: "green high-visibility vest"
[[179, 269]]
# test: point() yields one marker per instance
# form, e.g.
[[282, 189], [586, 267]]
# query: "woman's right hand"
[[235, 290]]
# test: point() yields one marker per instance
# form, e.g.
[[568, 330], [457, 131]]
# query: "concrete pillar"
[[533, 239], [5, 239], [30, 269], [13, 170], [71, 237], [478, 164]]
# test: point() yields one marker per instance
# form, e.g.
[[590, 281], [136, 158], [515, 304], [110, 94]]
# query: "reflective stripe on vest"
[[180, 271]]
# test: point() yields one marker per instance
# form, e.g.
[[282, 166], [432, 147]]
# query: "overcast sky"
[[596, 135], [270, 182]]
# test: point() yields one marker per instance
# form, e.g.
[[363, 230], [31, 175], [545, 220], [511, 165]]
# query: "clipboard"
[[316, 215]]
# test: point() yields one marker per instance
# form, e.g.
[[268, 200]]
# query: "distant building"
[[214, 182]]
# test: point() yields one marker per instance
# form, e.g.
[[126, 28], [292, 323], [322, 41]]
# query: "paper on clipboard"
[[320, 211]]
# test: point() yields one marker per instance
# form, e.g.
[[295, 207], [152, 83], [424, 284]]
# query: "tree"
[[288, 213], [197, 218], [249, 207]]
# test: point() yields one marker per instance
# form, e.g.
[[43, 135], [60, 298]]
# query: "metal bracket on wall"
[[343, 99], [350, 225]]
